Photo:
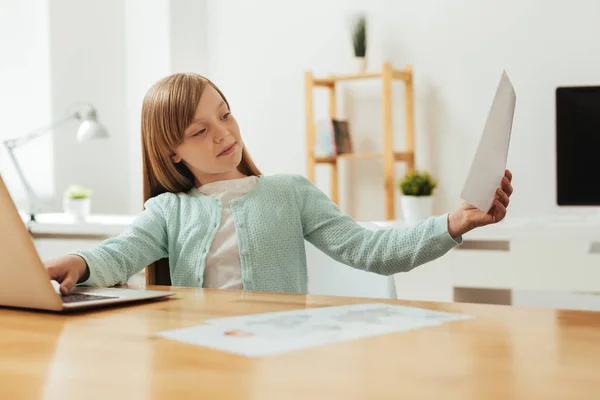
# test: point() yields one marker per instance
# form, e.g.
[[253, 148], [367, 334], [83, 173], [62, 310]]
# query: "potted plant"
[[359, 42], [417, 196], [77, 202]]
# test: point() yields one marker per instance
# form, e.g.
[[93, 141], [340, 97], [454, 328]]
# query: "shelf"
[[387, 75], [398, 156], [403, 75]]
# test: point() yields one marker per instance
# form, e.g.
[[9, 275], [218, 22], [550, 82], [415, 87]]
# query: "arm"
[[384, 252], [116, 259]]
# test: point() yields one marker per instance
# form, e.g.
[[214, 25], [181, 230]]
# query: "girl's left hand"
[[468, 217]]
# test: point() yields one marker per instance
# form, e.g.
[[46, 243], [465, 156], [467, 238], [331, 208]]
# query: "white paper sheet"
[[489, 163], [274, 333]]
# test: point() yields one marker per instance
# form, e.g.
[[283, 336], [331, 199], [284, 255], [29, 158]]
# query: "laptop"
[[24, 281]]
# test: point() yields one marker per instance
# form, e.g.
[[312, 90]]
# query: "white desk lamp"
[[89, 129]]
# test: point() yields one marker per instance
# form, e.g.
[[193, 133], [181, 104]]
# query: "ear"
[[175, 158]]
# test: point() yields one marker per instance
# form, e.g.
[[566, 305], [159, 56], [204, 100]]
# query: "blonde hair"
[[167, 110]]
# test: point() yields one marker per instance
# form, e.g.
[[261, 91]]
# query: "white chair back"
[[330, 277]]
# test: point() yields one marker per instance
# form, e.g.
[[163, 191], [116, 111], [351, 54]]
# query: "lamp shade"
[[90, 129]]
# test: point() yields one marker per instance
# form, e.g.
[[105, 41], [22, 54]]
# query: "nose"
[[220, 135]]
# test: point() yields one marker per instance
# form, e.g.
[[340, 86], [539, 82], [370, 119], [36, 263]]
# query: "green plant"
[[359, 36], [417, 184], [76, 192]]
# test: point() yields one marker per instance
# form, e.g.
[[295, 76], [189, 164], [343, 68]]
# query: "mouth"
[[228, 150]]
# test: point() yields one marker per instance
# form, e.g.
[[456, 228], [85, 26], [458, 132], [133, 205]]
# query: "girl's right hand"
[[66, 270]]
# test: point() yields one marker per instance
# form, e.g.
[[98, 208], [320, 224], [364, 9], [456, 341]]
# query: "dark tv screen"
[[578, 146]]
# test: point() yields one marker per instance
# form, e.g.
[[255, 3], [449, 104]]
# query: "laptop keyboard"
[[77, 297]]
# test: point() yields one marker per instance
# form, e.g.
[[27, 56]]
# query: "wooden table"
[[503, 353]]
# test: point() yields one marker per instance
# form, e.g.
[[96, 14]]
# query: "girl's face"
[[212, 145]]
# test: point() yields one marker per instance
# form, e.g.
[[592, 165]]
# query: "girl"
[[212, 220]]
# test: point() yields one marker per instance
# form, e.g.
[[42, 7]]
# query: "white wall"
[[110, 52], [88, 59], [25, 94], [107, 53], [188, 35], [162, 37], [148, 48], [458, 50], [130, 44]]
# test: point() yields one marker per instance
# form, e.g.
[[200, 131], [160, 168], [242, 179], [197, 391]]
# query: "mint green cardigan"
[[272, 221]]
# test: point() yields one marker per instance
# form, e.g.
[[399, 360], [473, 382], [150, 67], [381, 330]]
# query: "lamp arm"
[[12, 144], [30, 195], [21, 140]]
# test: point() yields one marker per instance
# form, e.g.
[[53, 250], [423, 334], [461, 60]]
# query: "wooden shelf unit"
[[387, 75]]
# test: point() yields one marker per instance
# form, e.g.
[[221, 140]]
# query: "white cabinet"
[[530, 260], [536, 263], [52, 248], [55, 235], [550, 258]]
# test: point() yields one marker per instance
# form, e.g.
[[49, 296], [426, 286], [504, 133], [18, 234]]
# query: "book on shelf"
[[333, 137]]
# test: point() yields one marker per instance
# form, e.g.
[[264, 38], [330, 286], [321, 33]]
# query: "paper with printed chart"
[[489, 164], [274, 333]]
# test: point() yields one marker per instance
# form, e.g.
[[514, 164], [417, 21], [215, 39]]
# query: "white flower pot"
[[416, 208], [79, 209], [360, 65]]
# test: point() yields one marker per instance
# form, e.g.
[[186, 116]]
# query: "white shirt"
[[223, 268]]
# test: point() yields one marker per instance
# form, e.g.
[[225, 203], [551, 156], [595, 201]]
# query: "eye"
[[226, 115], [200, 132]]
